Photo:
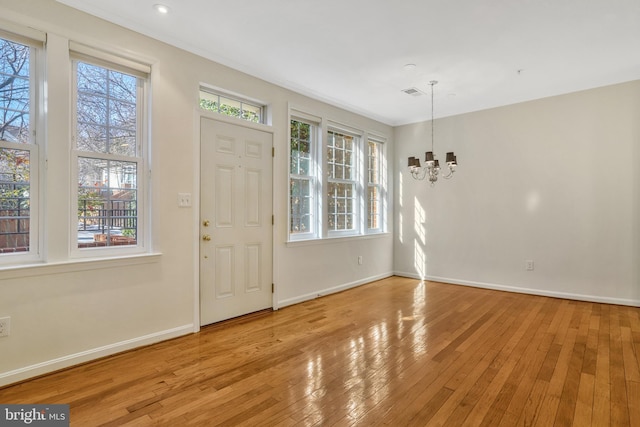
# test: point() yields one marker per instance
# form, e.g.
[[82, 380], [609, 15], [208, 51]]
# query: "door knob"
[[206, 237], [206, 222]]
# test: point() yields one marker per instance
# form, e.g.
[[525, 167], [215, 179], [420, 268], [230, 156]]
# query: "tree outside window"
[[15, 133], [107, 108]]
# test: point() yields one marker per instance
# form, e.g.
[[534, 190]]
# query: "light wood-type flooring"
[[394, 352]]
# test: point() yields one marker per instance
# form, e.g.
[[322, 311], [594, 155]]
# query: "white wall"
[[554, 180], [70, 312]]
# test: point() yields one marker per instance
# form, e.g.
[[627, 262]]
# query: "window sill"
[[72, 266], [337, 239]]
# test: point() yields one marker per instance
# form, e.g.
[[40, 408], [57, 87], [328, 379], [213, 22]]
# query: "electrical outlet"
[[184, 200], [360, 260], [529, 265], [5, 326]]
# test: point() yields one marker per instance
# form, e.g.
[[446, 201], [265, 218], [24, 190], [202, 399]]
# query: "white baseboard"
[[331, 290], [48, 366], [530, 291]]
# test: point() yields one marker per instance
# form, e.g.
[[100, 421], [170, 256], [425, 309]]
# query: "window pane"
[[340, 156], [91, 79], [300, 200], [91, 137], [14, 200], [123, 87], [230, 107], [106, 111], [122, 141], [341, 204], [251, 112], [373, 163], [14, 92], [122, 114], [209, 101], [107, 202], [374, 185], [373, 221], [300, 155]]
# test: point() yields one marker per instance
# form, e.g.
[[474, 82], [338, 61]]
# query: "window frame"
[[141, 158], [242, 100], [321, 205], [380, 143], [34, 40], [312, 177], [355, 182]]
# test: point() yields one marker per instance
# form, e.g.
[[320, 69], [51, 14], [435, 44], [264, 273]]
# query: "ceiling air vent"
[[412, 91]]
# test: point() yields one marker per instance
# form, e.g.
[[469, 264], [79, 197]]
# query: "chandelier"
[[432, 165]]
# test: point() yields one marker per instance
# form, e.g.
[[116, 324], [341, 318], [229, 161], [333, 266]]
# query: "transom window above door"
[[231, 105]]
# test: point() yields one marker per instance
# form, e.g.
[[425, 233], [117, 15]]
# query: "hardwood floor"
[[394, 352]]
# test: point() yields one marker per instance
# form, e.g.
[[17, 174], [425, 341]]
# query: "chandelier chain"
[[433, 82]]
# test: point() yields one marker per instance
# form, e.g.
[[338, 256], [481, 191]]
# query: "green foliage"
[[90, 201], [128, 232], [229, 110]]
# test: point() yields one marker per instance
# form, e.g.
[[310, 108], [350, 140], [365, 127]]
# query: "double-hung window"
[[109, 155], [302, 179], [337, 184], [19, 158], [342, 182], [375, 187]]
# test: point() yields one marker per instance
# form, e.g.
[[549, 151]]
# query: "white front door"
[[235, 220]]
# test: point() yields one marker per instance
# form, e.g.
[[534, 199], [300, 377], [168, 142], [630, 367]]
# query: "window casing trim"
[[82, 52], [22, 34], [141, 159], [324, 240], [75, 265]]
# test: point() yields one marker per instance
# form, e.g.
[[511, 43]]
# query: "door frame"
[[195, 205]]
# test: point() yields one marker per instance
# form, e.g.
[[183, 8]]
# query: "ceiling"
[[352, 53]]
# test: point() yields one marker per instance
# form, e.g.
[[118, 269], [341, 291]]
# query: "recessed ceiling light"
[[409, 67], [161, 8]]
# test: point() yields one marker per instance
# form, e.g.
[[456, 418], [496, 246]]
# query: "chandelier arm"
[[419, 173]]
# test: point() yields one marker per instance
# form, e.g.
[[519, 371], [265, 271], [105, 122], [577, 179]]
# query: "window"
[[336, 183], [342, 181], [231, 106], [374, 185], [302, 181], [18, 150], [108, 155]]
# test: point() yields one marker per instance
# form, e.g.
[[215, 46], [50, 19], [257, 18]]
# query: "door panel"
[[224, 261], [236, 199], [253, 198], [224, 196]]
